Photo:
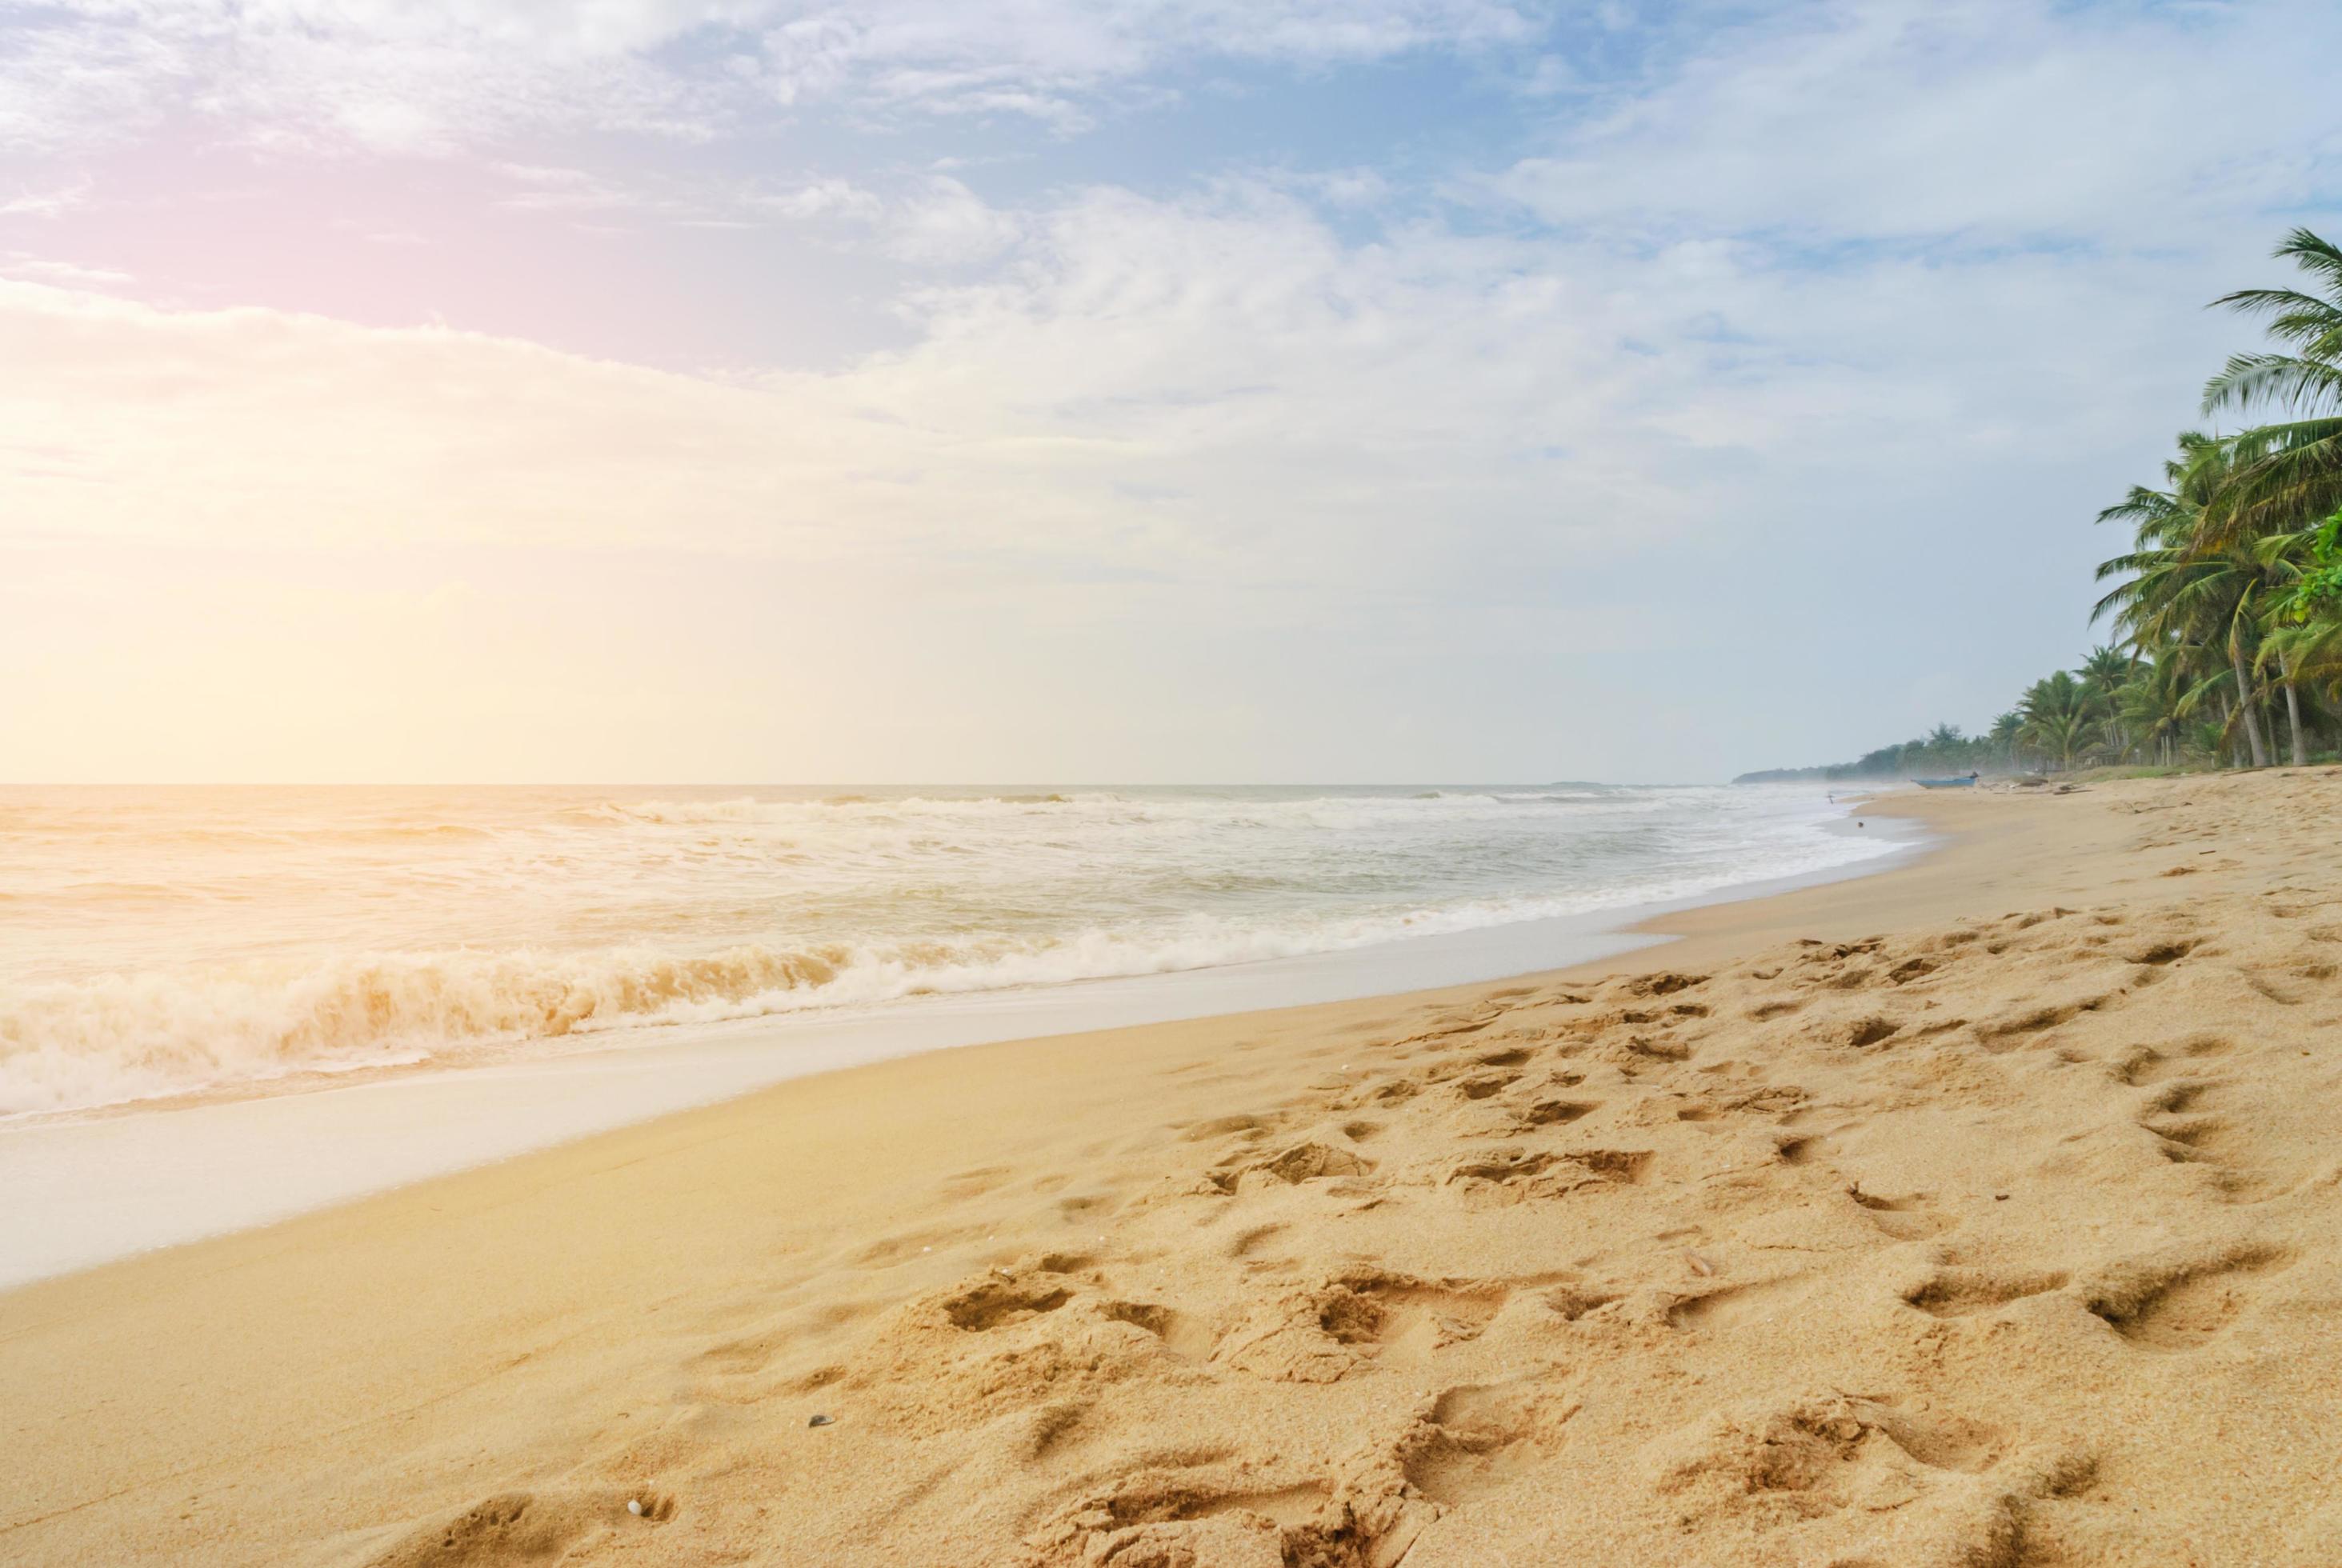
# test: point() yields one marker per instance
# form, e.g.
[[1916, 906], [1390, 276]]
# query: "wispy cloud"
[[433, 77], [945, 224], [63, 273], [51, 201], [1994, 122]]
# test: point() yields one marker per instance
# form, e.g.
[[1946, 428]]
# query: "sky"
[[1166, 391]]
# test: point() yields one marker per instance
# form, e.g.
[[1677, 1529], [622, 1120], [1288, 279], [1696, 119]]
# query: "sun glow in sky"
[[1287, 390]]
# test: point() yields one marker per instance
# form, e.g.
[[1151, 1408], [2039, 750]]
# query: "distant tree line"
[[2228, 606]]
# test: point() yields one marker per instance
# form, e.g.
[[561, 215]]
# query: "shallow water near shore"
[[157, 942], [95, 1184]]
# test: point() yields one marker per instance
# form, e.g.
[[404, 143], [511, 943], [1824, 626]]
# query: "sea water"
[[163, 942]]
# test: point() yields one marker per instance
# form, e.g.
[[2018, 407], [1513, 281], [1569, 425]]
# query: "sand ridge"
[[1989, 1239]]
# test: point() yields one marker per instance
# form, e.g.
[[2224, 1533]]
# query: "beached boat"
[[1963, 782]]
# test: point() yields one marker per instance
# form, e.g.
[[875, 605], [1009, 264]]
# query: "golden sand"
[[1980, 1212]]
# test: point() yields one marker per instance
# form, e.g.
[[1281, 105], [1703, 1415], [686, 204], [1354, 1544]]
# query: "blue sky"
[[1408, 389]]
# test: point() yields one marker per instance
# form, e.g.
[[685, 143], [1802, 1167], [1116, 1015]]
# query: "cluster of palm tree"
[[2115, 706], [2228, 606], [2227, 602]]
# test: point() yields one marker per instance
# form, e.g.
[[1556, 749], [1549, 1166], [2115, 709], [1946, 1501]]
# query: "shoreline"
[[107, 1183], [1180, 1288], [351, 965]]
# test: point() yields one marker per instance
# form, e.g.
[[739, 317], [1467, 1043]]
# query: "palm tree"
[[2159, 699], [2292, 471], [2104, 673], [2059, 715], [2183, 587], [2307, 651], [2063, 738], [2105, 670], [2208, 739], [2003, 734], [2281, 557]]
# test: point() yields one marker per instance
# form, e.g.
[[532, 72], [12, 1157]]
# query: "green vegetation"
[[2228, 606]]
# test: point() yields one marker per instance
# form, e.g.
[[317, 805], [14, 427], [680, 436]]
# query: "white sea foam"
[[165, 942]]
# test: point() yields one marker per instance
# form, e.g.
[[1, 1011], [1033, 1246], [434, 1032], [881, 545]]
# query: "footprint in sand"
[[1555, 1112], [526, 1526], [1390, 1092], [1861, 1480], [2187, 1140], [1487, 1085], [996, 1304], [1727, 1305], [2155, 953], [2180, 1301], [2146, 1064], [1408, 1321], [1372, 1509], [1309, 1162], [1355, 1320], [1510, 1173], [973, 1184], [1208, 1513], [2175, 1118], [1181, 1333], [1954, 1291], [1470, 1443], [1907, 1219], [2272, 988], [1798, 1148], [1572, 1299]]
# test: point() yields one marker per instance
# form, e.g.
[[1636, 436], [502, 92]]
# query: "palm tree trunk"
[[2293, 718], [2252, 718]]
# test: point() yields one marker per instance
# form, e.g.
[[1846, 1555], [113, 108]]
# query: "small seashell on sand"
[[1699, 1265], [634, 1506]]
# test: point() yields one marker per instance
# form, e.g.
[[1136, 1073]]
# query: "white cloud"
[[1220, 382], [821, 198], [1989, 121], [1156, 387], [1044, 58], [947, 224], [1357, 187], [399, 79], [68, 82], [433, 77], [31, 268], [545, 189], [53, 201]]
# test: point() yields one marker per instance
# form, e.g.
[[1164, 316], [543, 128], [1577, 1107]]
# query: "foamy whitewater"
[[161, 942]]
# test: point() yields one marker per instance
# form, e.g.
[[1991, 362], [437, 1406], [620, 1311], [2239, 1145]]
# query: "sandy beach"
[[1983, 1211]]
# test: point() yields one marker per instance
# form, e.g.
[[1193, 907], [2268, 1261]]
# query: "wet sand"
[[1983, 1211]]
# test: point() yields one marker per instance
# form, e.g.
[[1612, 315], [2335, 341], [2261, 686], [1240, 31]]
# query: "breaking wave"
[[167, 942], [115, 1038], [750, 809]]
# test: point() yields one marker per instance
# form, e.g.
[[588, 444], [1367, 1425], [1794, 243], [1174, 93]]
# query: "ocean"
[[161, 942]]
